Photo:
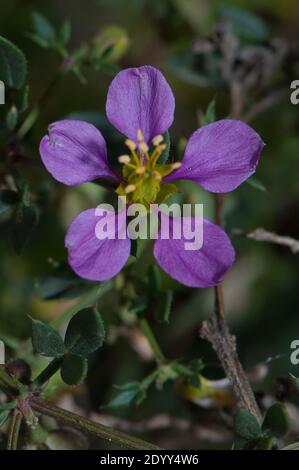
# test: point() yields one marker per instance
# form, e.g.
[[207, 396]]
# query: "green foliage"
[[256, 184], [25, 221], [196, 69], [45, 34], [8, 200], [246, 425], [4, 414], [163, 306], [246, 24], [165, 154], [210, 114], [130, 392], [45, 340], [277, 421], [74, 369], [250, 435], [13, 64], [85, 333], [61, 283]]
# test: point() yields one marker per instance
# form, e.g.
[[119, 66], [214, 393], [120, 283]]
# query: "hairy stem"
[[217, 333], [48, 372], [85, 425], [148, 333], [14, 430]]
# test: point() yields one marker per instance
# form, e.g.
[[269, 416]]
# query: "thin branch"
[[14, 430], [217, 333], [85, 425], [265, 104], [262, 235], [165, 421], [148, 333]]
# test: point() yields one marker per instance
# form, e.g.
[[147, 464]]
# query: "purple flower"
[[218, 157]]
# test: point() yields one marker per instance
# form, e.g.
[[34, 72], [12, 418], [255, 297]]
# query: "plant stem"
[[14, 430], [33, 115], [48, 372], [87, 426], [87, 299], [148, 332], [217, 333]]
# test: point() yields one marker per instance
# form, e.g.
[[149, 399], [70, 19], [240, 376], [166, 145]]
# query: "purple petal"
[[90, 257], [75, 152], [220, 156], [140, 98], [204, 267]]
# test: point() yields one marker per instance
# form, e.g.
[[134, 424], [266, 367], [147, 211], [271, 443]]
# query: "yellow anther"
[[157, 140], [176, 165], [140, 170], [161, 148], [140, 136], [157, 176], [124, 159], [131, 145], [143, 147], [130, 188]]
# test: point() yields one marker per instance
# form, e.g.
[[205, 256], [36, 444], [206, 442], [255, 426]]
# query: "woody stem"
[[217, 333]]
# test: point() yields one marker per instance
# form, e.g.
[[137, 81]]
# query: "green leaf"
[[12, 118], [26, 219], [265, 443], [8, 199], [85, 332], [154, 279], [13, 64], [43, 29], [210, 115], [246, 24], [3, 417], [163, 306], [246, 425], [165, 154], [197, 69], [256, 183], [74, 369], [45, 340], [294, 446], [127, 395], [64, 34], [62, 283], [277, 421]]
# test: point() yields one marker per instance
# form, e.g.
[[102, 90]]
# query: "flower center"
[[142, 172]]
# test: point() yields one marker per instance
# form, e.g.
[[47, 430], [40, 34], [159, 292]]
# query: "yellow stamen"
[[143, 147], [157, 176], [140, 136], [140, 170], [131, 145], [124, 159], [158, 139], [176, 165], [130, 188]]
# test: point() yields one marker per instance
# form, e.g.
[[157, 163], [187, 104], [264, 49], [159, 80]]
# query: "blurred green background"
[[262, 288]]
